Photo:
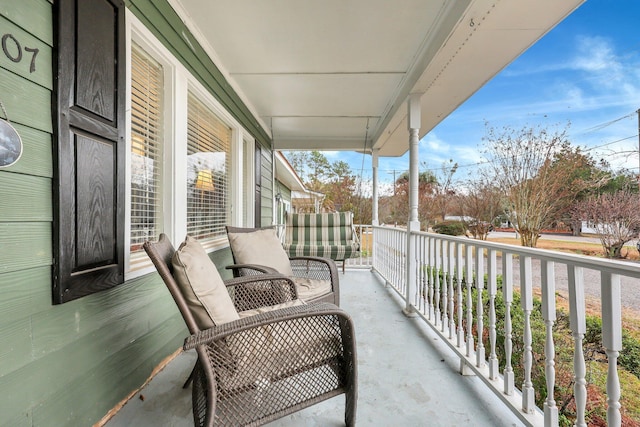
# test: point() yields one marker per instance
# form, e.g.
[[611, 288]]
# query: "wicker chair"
[[260, 368], [306, 270]]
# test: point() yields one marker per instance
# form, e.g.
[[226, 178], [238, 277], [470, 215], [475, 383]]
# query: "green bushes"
[[450, 228], [594, 354]]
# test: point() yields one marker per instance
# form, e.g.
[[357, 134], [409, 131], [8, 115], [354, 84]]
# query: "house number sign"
[[15, 52]]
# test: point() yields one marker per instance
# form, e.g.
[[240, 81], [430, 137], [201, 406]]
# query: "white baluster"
[[612, 341], [459, 273], [578, 329], [436, 294], [480, 357], [526, 295], [492, 289], [430, 279], [445, 290], [468, 277], [420, 266], [549, 316], [452, 308], [507, 293]]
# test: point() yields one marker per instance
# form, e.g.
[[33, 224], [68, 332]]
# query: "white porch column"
[[413, 223], [374, 200]]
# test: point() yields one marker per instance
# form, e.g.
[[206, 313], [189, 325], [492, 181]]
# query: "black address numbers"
[[15, 52]]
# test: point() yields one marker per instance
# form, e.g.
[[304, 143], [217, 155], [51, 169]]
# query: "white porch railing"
[[439, 292], [365, 236]]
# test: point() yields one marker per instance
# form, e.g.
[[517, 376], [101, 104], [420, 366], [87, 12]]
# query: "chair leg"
[[191, 375], [351, 397]]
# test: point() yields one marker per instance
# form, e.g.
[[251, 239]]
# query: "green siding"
[[15, 90], [32, 16], [266, 214], [34, 66], [70, 364]]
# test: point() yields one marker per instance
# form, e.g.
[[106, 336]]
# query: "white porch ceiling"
[[335, 74]]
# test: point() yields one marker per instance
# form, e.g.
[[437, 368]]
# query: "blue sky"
[[585, 71]]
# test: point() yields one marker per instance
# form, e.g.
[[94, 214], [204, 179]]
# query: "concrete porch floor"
[[407, 376]]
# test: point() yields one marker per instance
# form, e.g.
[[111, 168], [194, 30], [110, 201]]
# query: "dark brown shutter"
[[89, 147]]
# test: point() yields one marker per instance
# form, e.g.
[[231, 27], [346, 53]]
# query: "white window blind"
[[146, 151], [208, 174]]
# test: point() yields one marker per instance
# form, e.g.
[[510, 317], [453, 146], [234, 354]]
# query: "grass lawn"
[[582, 248]]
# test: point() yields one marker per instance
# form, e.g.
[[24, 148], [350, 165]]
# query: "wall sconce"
[[278, 197]]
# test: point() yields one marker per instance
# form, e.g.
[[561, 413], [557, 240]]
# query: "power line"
[[609, 143], [605, 124]]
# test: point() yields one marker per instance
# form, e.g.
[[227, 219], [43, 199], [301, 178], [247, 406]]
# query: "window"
[[186, 161], [208, 178], [145, 152]]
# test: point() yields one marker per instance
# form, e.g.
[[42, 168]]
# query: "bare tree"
[[615, 217], [521, 164], [481, 203], [444, 192]]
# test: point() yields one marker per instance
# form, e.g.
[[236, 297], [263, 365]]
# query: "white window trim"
[[136, 31], [178, 82]]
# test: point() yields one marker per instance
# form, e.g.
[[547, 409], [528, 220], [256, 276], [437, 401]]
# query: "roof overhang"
[[286, 174], [335, 75]]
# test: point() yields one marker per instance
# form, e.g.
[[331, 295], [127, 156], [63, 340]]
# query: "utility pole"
[[393, 171], [638, 112]]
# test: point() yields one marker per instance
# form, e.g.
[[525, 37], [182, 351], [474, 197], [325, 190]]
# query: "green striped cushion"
[[327, 235]]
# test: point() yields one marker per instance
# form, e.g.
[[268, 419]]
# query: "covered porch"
[[436, 345], [407, 375]]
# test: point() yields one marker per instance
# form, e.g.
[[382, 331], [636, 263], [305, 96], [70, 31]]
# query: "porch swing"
[[328, 235]]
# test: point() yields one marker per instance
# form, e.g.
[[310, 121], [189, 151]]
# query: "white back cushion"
[[260, 247]]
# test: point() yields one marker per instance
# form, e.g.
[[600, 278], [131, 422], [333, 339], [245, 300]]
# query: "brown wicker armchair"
[[262, 367], [316, 278]]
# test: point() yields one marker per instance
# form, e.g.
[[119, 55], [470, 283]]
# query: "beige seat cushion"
[[309, 289], [261, 247], [202, 286]]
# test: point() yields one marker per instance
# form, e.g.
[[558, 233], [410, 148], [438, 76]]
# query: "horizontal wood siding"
[[267, 188], [70, 364], [67, 364]]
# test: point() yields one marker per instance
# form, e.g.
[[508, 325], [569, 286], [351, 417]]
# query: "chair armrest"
[[288, 317], [250, 292], [240, 270]]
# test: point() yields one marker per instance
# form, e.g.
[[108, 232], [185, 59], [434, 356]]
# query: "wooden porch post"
[[413, 223]]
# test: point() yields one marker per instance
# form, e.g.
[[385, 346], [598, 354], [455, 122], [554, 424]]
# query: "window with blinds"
[[208, 172], [146, 151]]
